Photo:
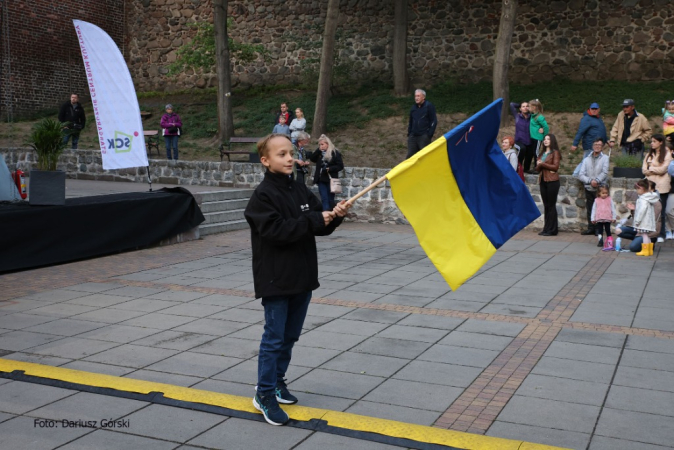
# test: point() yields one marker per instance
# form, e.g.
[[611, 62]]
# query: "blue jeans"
[[75, 136], [327, 197], [171, 142], [631, 234], [283, 320]]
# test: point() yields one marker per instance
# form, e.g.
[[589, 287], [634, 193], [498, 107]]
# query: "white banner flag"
[[118, 122]]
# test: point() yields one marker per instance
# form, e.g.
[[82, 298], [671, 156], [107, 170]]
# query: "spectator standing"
[[328, 165], [590, 129], [508, 150], [668, 118], [522, 134], [422, 123], [72, 114], [654, 168], [171, 125], [538, 127], [631, 130], [301, 163], [548, 167], [281, 127], [285, 113], [593, 173], [298, 124]]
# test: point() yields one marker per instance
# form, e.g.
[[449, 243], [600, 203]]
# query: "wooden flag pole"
[[366, 190]]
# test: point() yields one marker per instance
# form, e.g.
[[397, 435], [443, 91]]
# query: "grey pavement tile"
[[540, 435], [73, 348], [588, 337], [373, 287], [211, 326], [147, 275], [21, 305], [641, 400], [229, 387], [102, 439], [356, 327], [333, 341], [607, 443], [373, 315], [239, 433], [312, 322], [311, 356], [232, 347], [98, 300], [65, 327], [225, 301], [463, 356], [512, 310], [397, 348], [163, 377], [476, 340], [146, 304], [563, 389], [134, 291], [158, 321], [665, 324], [326, 441], [106, 369], [246, 373], [394, 412], [431, 321], [174, 424], [109, 315], [484, 289], [663, 302], [239, 315], [636, 426], [602, 318], [194, 364], [62, 309], [438, 373], [424, 289], [93, 287], [490, 327], [344, 277], [336, 384], [616, 299], [407, 300], [4, 416], [649, 344], [648, 360], [16, 341], [252, 333], [18, 397], [56, 295], [382, 366], [128, 355], [466, 296], [193, 310], [255, 305], [356, 296], [122, 334], [412, 333], [222, 284], [177, 296], [583, 352], [181, 280], [429, 397], [174, 340], [37, 359], [550, 414], [316, 309], [532, 299], [22, 433], [576, 370], [456, 305], [85, 406], [657, 380]]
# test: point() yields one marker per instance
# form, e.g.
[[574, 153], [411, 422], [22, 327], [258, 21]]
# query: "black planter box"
[[47, 187], [627, 172]]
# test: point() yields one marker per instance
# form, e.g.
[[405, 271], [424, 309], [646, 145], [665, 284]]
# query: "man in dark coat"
[[72, 114], [422, 123]]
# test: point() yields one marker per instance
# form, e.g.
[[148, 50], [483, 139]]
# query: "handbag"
[[335, 185], [520, 170]]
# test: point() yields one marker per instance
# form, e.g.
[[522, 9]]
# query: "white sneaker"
[[660, 240], [669, 236]]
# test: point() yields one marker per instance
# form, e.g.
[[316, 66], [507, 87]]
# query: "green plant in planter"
[[628, 161], [46, 139]]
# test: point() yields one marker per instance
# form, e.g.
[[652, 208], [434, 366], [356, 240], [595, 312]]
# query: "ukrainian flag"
[[462, 196]]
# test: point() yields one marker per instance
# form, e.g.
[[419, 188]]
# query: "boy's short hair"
[[263, 144]]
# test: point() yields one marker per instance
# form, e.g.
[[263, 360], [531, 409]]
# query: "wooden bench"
[[151, 141], [237, 140]]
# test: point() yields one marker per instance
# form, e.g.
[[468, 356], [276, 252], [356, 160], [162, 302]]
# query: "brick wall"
[[43, 53]]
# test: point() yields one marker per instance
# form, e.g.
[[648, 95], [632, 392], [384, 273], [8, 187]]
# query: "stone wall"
[[40, 54], [576, 39], [375, 206]]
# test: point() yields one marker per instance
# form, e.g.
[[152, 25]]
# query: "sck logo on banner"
[[121, 143]]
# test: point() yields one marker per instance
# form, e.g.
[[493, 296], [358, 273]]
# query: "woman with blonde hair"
[[538, 127], [299, 123], [328, 165]]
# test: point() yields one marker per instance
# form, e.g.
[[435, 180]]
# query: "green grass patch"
[[627, 161]]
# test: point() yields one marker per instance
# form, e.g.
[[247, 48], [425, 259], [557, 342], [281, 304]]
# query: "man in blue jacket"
[[422, 123], [591, 128]]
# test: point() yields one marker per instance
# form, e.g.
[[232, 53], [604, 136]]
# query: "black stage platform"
[[33, 236]]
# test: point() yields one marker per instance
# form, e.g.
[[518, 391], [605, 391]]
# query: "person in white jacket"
[[299, 123], [644, 215]]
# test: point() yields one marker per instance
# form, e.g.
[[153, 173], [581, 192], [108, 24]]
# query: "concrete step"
[[223, 216], [224, 205], [216, 196], [222, 227]]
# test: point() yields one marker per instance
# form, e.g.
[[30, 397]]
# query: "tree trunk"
[[224, 72], [325, 75], [400, 77], [502, 58]]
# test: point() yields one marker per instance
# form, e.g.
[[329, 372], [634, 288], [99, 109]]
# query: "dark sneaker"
[[282, 394], [600, 243], [268, 406]]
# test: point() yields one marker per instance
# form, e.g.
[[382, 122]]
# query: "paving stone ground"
[[553, 342]]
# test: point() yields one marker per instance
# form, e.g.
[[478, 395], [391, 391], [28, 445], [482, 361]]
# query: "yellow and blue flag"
[[462, 196]]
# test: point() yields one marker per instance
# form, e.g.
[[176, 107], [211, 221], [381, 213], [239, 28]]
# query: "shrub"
[[46, 139], [627, 161]]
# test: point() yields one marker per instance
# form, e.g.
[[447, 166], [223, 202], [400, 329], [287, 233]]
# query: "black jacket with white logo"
[[284, 216]]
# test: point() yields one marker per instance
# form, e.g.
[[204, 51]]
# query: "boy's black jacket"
[[284, 216]]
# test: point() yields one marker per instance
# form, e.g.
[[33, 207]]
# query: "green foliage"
[[46, 139], [200, 53], [627, 161]]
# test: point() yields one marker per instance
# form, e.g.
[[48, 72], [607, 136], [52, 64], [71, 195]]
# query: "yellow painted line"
[[336, 419]]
